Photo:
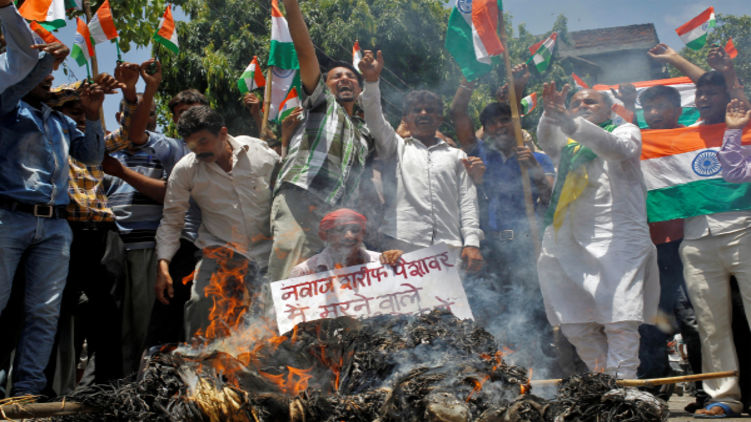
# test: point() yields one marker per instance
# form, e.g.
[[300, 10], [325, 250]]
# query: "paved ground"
[[677, 403]]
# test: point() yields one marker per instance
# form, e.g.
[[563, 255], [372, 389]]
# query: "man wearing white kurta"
[[598, 267]]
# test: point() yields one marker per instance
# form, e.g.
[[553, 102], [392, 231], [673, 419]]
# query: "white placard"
[[424, 280]]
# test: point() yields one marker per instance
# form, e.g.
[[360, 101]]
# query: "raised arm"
[[140, 120], [89, 148], [9, 97], [664, 54], [549, 133], [465, 130], [736, 166], [719, 60], [19, 58], [385, 136], [310, 70]]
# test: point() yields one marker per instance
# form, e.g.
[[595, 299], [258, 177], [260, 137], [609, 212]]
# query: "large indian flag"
[[685, 87], [694, 32], [472, 35], [285, 76], [683, 174]]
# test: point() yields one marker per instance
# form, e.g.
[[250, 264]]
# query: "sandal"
[[729, 413]]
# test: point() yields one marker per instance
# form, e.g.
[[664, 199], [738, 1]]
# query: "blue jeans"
[[46, 245]]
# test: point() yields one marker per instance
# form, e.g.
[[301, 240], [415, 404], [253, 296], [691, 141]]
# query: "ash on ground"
[[431, 367]]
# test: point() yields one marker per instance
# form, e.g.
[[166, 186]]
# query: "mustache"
[[205, 155]]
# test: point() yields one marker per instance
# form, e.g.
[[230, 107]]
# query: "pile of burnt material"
[[432, 367]]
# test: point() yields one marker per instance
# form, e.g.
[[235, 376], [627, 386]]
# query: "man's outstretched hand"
[[737, 114], [57, 50], [371, 65]]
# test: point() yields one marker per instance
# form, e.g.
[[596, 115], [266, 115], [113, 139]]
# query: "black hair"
[[343, 64], [188, 96], [661, 91], [421, 96], [713, 78], [493, 110], [199, 118]]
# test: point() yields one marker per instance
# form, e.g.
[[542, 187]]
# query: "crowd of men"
[[100, 230]]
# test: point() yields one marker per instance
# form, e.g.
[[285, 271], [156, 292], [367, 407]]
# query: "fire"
[[334, 365], [526, 388], [188, 278], [477, 386], [294, 383]]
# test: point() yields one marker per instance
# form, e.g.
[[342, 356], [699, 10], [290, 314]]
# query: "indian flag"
[[283, 82], [472, 35], [694, 32], [44, 34], [167, 33], [282, 52], [529, 103], [102, 25], [683, 174], [289, 104], [579, 82], [542, 53], [685, 87], [49, 13], [83, 48], [730, 49], [356, 55], [252, 78]]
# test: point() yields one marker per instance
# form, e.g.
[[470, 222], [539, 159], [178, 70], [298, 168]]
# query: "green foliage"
[[728, 26]]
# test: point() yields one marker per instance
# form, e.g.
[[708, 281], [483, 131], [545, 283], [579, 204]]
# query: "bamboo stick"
[[266, 103], [41, 410], [517, 124], [651, 381]]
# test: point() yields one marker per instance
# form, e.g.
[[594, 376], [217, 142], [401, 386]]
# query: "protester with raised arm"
[[325, 158], [735, 159], [34, 193], [598, 270], [433, 199]]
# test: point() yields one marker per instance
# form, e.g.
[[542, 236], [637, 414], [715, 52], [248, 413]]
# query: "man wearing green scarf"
[[598, 267]]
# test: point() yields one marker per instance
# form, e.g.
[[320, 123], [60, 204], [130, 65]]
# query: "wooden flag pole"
[[266, 103], [651, 381], [516, 122]]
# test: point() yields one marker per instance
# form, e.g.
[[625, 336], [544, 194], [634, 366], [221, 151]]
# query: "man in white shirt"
[[230, 179], [343, 232], [598, 267], [434, 200]]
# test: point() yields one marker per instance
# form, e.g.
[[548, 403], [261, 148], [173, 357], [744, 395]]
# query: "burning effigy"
[[429, 367]]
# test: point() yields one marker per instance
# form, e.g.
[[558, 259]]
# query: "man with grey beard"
[[598, 267]]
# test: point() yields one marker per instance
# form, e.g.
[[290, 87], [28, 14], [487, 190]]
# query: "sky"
[[538, 15]]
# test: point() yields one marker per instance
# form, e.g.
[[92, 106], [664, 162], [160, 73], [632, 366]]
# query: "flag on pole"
[[283, 81], [542, 53], [44, 34], [683, 175], [694, 32], [579, 82], [49, 13], [730, 49], [472, 35], [83, 48], [529, 103], [289, 104], [252, 77], [356, 55], [166, 35], [282, 52], [102, 25]]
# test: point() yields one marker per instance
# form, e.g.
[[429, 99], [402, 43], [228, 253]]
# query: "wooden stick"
[[652, 381], [517, 124], [266, 103], [41, 410], [94, 63]]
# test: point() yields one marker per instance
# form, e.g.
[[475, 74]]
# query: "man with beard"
[[343, 232], [231, 180], [34, 189], [326, 155], [433, 199], [598, 268]]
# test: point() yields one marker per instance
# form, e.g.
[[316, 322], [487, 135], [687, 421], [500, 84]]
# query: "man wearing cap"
[[343, 231], [34, 191]]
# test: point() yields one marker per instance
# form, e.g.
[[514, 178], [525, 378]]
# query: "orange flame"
[[188, 278], [294, 383], [477, 386]]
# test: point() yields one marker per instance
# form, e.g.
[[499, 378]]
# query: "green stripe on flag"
[[52, 25], [697, 198], [459, 43], [167, 43], [77, 53], [689, 116], [283, 55], [698, 43]]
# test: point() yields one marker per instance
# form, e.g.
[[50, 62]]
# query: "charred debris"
[[431, 367]]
